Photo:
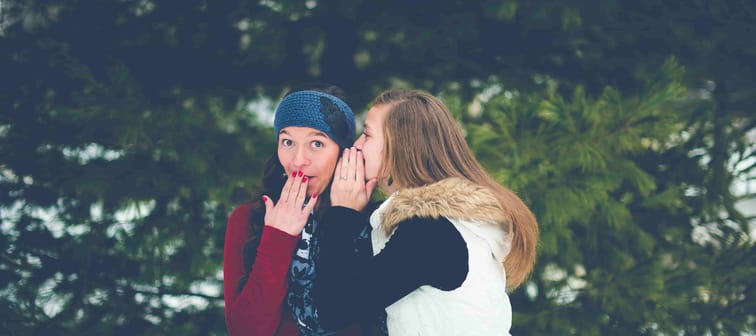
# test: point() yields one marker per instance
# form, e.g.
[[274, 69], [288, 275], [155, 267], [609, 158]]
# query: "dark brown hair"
[[273, 179]]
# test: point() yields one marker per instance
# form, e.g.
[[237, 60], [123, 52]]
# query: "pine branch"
[[163, 291]]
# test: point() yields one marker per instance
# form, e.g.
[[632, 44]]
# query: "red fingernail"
[[265, 198], [304, 179], [293, 174], [299, 174], [315, 195]]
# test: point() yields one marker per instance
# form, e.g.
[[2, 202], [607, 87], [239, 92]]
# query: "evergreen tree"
[[126, 136]]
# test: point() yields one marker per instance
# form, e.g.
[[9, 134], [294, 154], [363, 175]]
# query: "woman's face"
[[310, 151], [371, 142]]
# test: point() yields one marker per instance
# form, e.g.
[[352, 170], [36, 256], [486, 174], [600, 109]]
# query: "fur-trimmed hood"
[[456, 199]]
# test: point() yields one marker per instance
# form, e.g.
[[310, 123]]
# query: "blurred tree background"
[[130, 128]]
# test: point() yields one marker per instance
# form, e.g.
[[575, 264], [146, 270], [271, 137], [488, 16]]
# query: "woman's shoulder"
[[237, 226], [241, 212], [241, 209], [424, 226], [454, 198], [244, 207], [372, 206]]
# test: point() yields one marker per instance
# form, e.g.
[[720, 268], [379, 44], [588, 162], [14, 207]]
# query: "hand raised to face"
[[290, 213], [349, 188]]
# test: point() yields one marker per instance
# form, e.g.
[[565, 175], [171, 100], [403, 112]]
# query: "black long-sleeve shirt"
[[421, 251]]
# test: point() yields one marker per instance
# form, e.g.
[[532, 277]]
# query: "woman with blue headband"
[[271, 243]]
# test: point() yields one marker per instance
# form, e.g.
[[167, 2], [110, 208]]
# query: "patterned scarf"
[[302, 276]]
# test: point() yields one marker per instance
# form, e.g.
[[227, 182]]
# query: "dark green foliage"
[[126, 138]]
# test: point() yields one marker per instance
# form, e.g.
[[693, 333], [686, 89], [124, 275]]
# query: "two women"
[[446, 245]]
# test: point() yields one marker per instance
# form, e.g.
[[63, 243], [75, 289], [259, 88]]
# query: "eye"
[[286, 142], [317, 144], [365, 134]]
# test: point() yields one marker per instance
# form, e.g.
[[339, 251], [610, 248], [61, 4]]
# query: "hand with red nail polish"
[[290, 213]]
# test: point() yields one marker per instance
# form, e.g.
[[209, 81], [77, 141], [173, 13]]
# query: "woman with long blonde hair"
[[449, 241]]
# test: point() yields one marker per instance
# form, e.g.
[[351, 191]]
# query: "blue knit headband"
[[318, 110]]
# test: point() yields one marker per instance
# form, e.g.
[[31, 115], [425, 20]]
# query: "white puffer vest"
[[480, 306]]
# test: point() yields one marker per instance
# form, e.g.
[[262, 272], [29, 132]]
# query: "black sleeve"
[[348, 224], [422, 251]]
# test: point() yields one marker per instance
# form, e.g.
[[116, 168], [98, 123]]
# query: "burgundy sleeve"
[[256, 309]]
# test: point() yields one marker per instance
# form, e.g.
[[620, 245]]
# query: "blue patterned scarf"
[[302, 276]]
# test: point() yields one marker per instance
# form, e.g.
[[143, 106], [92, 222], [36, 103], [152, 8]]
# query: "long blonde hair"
[[424, 144]]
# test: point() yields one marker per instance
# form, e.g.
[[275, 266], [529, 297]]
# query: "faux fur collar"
[[453, 198], [464, 203]]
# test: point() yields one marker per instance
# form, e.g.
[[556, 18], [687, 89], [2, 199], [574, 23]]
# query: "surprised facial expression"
[[310, 151]]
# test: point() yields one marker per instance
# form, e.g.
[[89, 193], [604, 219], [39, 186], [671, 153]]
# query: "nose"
[[301, 159], [359, 142]]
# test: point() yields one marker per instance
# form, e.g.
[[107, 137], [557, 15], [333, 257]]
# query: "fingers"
[[351, 167], [268, 203], [287, 188], [311, 205], [294, 190], [344, 172], [351, 176], [289, 214], [337, 170], [360, 173], [301, 188], [369, 186]]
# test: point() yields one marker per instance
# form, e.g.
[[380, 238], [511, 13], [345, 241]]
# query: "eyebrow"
[[313, 133]]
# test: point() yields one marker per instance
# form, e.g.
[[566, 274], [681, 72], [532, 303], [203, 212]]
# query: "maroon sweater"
[[259, 309]]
